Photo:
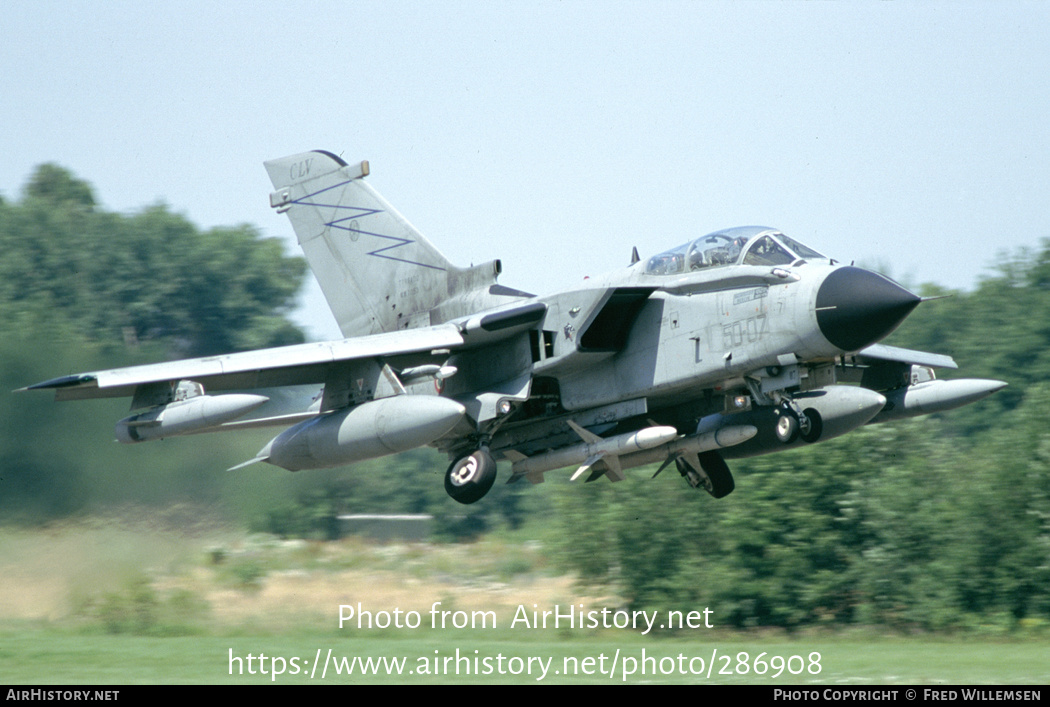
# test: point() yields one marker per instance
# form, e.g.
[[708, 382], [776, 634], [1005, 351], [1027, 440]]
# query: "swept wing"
[[300, 364]]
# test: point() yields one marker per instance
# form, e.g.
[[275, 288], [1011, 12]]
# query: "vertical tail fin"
[[376, 270]]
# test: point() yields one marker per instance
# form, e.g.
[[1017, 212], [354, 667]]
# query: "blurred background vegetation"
[[936, 523]]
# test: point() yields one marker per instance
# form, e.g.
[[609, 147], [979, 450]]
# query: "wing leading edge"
[[300, 364]]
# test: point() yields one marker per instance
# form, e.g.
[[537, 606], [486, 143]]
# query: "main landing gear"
[[710, 473], [470, 477]]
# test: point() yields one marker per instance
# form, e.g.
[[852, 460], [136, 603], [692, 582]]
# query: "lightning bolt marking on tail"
[[341, 224]]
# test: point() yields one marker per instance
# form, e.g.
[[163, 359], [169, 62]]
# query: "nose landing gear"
[[794, 422]]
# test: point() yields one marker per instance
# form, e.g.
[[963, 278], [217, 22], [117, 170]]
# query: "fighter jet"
[[737, 343]]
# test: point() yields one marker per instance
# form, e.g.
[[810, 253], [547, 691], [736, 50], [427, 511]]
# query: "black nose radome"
[[857, 307]]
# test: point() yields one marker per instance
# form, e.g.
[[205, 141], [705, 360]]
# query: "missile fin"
[[586, 466], [613, 469], [586, 435], [667, 463], [248, 463]]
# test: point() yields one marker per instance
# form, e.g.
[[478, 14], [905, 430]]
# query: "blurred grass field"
[[46, 655], [162, 600]]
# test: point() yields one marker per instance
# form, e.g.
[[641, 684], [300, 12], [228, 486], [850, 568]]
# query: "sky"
[[913, 137]]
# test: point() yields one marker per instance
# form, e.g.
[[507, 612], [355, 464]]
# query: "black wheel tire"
[[787, 427], [816, 426], [470, 477], [717, 471]]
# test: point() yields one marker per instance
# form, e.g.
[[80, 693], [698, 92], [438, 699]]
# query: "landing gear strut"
[[794, 422], [470, 477], [713, 474], [810, 432]]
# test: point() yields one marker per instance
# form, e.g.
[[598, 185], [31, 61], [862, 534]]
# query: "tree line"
[[82, 288]]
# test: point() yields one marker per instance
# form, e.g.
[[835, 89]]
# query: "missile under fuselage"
[[579, 453], [182, 417], [722, 438], [652, 444]]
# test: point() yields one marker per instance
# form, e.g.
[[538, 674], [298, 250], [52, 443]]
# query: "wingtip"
[[61, 382]]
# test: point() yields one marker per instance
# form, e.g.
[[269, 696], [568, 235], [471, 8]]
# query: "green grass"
[[121, 603], [50, 655]]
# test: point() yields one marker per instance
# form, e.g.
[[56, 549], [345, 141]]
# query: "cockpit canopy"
[[746, 245]]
